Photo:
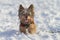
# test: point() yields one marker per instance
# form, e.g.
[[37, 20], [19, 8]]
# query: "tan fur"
[[32, 29]]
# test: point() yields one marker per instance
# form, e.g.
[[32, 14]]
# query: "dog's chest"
[[24, 25]]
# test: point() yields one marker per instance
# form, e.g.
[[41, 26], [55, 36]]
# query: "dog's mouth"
[[26, 21]]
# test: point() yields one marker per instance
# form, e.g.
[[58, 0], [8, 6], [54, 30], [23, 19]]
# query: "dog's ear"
[[21, 8], [31, 7]]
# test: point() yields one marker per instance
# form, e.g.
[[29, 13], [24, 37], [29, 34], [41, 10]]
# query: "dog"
[[26, 17]]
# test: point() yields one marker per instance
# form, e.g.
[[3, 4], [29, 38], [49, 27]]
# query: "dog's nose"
[[26, 17]]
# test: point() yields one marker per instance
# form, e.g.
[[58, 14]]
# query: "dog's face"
[[26, 15]]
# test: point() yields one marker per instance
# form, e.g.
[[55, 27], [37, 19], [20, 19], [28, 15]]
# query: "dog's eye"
[[22, 14]]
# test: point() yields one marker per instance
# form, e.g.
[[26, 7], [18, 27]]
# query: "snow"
[[47, 19]]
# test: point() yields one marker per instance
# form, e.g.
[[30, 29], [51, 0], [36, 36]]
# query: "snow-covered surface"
[[47, 19]]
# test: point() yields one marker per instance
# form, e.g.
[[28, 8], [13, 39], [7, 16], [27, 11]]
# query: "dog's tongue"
[[26, 21]]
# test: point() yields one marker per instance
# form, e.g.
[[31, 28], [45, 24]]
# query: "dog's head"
[[26, 15]]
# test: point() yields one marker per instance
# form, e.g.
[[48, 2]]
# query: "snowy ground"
[[47, 19]]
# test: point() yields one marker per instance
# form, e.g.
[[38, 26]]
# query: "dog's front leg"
[[23, 29], [32, 29]]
